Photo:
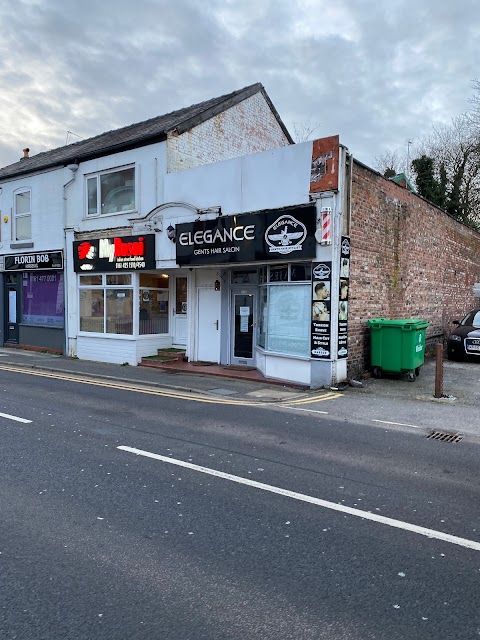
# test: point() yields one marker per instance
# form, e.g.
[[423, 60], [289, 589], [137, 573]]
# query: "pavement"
[[388, 400]]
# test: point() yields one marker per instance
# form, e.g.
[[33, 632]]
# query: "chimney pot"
[[26, 151]]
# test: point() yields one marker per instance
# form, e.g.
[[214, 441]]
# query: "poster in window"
[[320, 347], [342, 351]]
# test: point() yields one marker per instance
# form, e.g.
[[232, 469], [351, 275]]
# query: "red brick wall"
[[409, 259]]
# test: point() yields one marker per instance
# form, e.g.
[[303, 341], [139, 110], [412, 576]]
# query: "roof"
[[402, 180], [137, 135]]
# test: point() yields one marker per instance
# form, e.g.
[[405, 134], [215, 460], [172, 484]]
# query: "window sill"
[[278, 354], [21, 244], [109, 336], [94, 216]]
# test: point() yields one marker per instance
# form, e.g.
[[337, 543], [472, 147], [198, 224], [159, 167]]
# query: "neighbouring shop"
[[34, 300], [126, 308]]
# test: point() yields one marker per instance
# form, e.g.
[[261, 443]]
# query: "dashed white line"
[[365, 515], [309, 410], [16, 418], [398, 424]]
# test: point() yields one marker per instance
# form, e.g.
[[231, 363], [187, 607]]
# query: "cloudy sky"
[[376, 72]]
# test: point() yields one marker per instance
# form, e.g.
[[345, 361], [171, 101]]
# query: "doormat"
[[201, 363], [239, 367]]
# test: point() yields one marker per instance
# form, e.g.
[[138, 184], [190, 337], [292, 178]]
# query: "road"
[[137, 514]]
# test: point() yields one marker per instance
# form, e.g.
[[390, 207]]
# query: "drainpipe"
[[73, 167]]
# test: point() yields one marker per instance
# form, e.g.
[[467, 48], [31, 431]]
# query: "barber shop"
[[252, 289], [33, 300]]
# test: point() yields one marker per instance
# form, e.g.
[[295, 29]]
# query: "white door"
[[180, 311], [208, 325]]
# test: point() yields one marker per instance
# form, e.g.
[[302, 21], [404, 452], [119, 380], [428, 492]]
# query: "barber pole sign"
[[326, 221]]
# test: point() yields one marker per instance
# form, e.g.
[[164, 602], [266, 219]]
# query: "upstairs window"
[[111, 192], [23, 215]]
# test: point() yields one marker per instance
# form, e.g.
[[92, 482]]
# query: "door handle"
[[216, 324]]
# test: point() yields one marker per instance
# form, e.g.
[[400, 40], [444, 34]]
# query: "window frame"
[[104, 287], [97, 176], [23, 215], [266, 285]]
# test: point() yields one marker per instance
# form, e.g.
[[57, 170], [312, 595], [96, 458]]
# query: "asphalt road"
[[249, 540]]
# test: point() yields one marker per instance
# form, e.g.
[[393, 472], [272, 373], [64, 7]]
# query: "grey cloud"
[[376, 73]]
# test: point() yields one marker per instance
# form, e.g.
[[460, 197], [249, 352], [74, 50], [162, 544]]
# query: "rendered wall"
[[409, 260]]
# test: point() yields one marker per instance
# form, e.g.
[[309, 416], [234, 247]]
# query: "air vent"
[[445, 437]]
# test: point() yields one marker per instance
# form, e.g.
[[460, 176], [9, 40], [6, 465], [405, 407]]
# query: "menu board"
[[342, 350], [321, 310]]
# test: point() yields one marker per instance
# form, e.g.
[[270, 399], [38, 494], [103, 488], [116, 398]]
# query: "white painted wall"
[[245, 128], [46, 208], [268, 180]]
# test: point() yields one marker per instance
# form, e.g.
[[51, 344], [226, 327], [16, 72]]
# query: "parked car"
[[464, 341]]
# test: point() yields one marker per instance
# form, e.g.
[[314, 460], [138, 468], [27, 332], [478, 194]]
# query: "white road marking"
[[309, 410], [399, 424], [16, 418], [365, 515]]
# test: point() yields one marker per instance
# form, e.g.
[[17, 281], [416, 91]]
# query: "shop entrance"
[[180, 311], [243, 323], [12, 309], [208, 325]]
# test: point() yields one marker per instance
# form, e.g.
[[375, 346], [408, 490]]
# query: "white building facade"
[[229, 250]]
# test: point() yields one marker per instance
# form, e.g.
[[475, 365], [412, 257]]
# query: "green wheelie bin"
[[397, 346]]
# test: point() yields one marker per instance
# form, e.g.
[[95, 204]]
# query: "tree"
[[446, 164], [303, 131], [426, 182]]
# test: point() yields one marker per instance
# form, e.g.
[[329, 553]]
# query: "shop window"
[[153, 304], [105, 305], [245, 276], [42, 299], [22, 215], [285, 309], [180, 295], [111, 192]]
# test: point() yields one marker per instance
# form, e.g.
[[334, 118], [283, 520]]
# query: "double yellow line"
[[310, 400], [178, 395]]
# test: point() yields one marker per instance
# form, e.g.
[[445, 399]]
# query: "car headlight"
[[456, 338]]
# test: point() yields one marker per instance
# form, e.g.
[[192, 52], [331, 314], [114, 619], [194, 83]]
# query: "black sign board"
[[45, 260], [287, 234], [128, 253], [321, 310], [342, 351]]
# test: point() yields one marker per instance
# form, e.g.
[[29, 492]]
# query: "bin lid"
[[407, 324]]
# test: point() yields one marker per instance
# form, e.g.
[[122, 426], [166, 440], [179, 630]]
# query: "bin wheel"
[[377, 372], [417, 371], [411, 376]]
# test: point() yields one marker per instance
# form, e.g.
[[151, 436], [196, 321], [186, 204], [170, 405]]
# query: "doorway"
[[12, 309], [243, 323], [208, 325], [180, 311]]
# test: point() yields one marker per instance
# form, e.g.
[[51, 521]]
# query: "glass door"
[[180, 311], [243, 306], [11, 306]]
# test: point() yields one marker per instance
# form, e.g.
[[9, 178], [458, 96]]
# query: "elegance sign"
[[44, 260], [269, 235], [132, 253]]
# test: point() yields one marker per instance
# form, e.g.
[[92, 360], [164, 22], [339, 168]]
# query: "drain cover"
[[445, 437]]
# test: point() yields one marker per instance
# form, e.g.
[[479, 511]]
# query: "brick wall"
[[409, 259], [248, 127]]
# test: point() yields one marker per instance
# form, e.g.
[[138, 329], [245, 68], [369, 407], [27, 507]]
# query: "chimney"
[[26, 151]]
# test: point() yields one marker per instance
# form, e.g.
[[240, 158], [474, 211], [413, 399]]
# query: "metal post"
[[439, 370]]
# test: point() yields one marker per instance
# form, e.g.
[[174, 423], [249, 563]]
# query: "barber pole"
[[326, 221]]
